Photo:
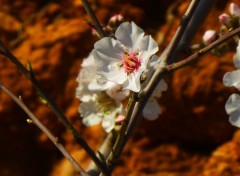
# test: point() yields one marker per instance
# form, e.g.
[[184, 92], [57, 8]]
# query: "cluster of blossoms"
[[228, 22], [232, 79], [111, 71]]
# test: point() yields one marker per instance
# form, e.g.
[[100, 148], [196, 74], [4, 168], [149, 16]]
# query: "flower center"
[[131, 62]]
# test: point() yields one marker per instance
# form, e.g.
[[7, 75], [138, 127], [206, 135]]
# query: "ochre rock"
[[191, 137]]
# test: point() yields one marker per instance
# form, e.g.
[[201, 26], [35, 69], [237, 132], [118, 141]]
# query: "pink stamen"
[[131, 62]]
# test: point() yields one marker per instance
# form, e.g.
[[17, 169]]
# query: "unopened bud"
[[224, 19], [234, 10], [209, 36], [115, 20], [120, 118]]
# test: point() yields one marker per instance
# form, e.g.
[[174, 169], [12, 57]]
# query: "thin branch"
[[45, 130], [158, 75], [119, 143], [53, 107], [202, 51], [169, 51], [97, 24], [196, 21], [146, 93], [105, 150]]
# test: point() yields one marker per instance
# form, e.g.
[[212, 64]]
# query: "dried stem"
[[147, 91], [45, 130], [94, 19], [53, 107], [105, 149], [169, 51], [202, 51], [119, 143], [196, 21]]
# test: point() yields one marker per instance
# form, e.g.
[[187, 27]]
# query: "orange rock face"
[[192, 137]]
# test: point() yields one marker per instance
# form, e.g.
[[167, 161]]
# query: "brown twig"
[[53, 107], [202, 51], [158, 75], [95, 21], [46, 131]]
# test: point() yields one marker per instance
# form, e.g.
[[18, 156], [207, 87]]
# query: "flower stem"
[[53, 107], [202, 51], [95, 21], [119, 143], [45, 130], [169, 51], [145, 94]]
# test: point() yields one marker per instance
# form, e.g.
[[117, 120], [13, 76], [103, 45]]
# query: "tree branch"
[[202, 51], [53, 107], [97, 24], [44, 129]]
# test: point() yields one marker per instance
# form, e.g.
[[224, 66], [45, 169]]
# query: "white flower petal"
[[89, 113], [91, 120], [109, 47], [152, 109], [232, 104], [232, 107], [108, 123], [117, 77], [236, 57], [147, 47], [116, 93], [232, 79], [129, 34], [162, 86], [133, 82], [234, 10], [234, 118]]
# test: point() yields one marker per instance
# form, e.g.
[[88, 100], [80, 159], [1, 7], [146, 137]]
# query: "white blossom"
[[233, 109], [233, 78], [234, 10], [122, 60], [100, 103], [209, 36], [152, 109], [225, 19], [232, 105]]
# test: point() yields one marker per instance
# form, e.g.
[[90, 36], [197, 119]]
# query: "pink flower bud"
[[234, 10], [224, 19], [120, 118], [115, 20], [209, 36]]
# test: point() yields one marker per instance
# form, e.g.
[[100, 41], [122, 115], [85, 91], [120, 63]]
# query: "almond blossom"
[[209, 36], [233, 109], [234, 10], [152, 109], [100, 103], [123, 59], [233, 79]]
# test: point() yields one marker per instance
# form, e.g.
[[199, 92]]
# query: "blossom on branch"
[[123, 60], [100, 103], [234, 10], [152, 109], [209, 36], [233, 79], [233, 109]]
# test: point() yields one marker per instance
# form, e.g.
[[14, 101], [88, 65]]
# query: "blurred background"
[[192, 136]]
